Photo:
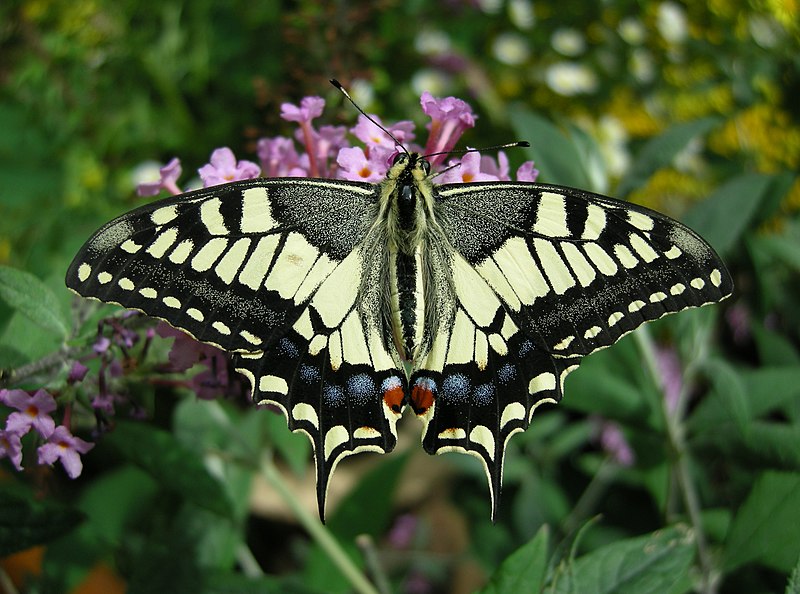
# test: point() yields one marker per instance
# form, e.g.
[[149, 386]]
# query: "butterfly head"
[[408, 168]]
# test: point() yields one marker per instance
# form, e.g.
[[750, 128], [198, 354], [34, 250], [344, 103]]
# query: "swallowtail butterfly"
[[343, 302]]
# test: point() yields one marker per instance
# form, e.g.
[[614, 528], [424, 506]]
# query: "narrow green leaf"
[[651, 563], [556, 154], [524, 570], [172, 465], [31, 297], [25, 522], [726, 214], [661, 150], [766, 528]]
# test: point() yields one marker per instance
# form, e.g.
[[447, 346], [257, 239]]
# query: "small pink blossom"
[[168, 180], [11, 448], [370, 134], [224, 168], [450, 118], [77, 372], [613, 441], [527, 172], [279, 157], [669, 365], [34, 411], [63, 446], [355, 165], [469, 170], [496, 167], [310, 108]]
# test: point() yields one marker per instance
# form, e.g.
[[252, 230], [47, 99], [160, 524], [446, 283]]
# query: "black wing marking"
[[270, 269], [578, 270]]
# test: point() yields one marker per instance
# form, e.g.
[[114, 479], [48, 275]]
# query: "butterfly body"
[[344, 302]]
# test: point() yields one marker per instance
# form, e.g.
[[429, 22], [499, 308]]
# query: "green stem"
[[676, 435], [317, 530]]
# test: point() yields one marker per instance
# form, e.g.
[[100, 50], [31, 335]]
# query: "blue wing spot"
[[391, 383], [333, 394], [426, 383], [507, 373], [456, 387], [288, 348], [483, 394], [360, 387], [309, 374], [525, 348]]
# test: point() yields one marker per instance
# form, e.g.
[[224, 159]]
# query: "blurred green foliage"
[[689, 108]]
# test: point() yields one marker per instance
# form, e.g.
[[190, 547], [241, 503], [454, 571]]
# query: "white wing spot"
[[698, 283], [164, 215], [366, 433], [182, 251], [130, 246], [716, 277], [208, 254], [580, 265], [163, 242], [273, 383], [452, 433], [595, 222], [104, 278], [232, 261], [221, 328], [250, 337], [483, 436], [554, 266], [212, 218], [126, 283], [84, 272], [615, 317], [636, 306], [498, 344], [592, 332], [317, 343], [600, 258], [563, 344], [254, 270], [673, 252], [514, 411], [195, 314], [551, 216], [625, 256], [564, 375], [148, 292], [657, 296], [640, 221], [677, 289], [542, 382], [305, 412], [256, 211], [641, 247], [335, 437], [172, 302]]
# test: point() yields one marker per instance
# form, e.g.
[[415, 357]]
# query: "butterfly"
[[346, 302]]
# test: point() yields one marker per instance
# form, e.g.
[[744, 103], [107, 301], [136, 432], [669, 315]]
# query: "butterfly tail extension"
[[344, 410]]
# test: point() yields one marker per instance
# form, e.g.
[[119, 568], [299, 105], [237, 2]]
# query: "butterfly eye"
[[399, 158], [426, 166]]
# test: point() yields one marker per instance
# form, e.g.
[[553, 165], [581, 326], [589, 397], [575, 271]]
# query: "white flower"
[[764, 31], [433, 81], [568, 42], [362, 91], [490, 6], [510, 48], [571, 78], [432, 42], [632, 30], [641, 65], [521, 15], [671, 22]]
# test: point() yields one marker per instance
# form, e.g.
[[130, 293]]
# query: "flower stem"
[[317, 530], [677, 440]]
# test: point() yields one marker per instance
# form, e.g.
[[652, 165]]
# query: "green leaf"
[[793, 587], [172, 465], [524, 570], [236, 583], [659, 152], [652, 563], [25, 522], [31, 297], [766, 528], [555, 153], [726, 214]]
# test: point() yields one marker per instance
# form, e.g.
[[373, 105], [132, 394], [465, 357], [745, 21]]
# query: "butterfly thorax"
[[407, 204]]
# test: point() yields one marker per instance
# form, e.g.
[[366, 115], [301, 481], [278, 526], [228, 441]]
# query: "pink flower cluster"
[[33, 412], [328, 153]]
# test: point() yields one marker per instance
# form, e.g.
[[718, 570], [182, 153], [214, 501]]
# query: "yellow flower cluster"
[[631, 111], [764, 133], [669, 189]]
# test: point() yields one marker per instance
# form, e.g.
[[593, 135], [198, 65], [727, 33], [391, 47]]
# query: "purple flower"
[[63, 446], [469, 170], [279, 158], [669, 365], [104, 402], [355, 165], [101, 345], [370, 134], [613, 441], [310, 108], [11, 448], [401, 535], [169, 176], [498, 168], [527, 172], [224, 168], [34, 411], [450, 118], [77, 372]]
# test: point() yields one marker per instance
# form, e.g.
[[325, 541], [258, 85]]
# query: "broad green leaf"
[[25, 522], [32, 298], [793, 587], [726, 214], [766, 528], [171, 464], [659, 152], [770, 388], [729, 391], [555, 154], [652, 563], [524, 570]]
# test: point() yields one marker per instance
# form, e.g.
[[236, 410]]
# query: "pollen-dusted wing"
[[343, 301]]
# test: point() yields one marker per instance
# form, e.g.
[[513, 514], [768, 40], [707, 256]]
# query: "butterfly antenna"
[[339, 86], [518, 143]]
